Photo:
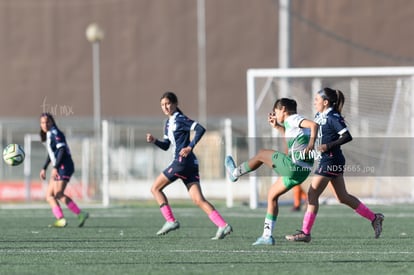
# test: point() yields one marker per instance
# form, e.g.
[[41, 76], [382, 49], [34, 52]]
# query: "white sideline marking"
[[29, 251]]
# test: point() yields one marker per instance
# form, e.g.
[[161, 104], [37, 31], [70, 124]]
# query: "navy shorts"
[[185, 169], [66, 170], [331, 166]]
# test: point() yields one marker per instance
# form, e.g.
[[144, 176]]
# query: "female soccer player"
[[332, 134], [184, 166], [293, 167], [63, 168]]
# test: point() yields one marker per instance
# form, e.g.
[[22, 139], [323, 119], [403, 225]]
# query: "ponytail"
[[335, 98], [340, 101], [179, 110]]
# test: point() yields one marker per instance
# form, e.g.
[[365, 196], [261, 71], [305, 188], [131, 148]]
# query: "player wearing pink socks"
[[63, 168], [333, 133], [184, 166]]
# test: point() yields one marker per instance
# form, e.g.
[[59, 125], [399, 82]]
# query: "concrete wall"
[[150, 46]]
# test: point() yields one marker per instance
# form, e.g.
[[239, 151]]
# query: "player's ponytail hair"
[[50, 118], [172, 98], [335, 98]]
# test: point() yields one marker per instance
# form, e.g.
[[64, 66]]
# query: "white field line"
[[191, 251]]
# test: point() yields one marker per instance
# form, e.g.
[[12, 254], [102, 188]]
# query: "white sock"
[[242, 169], [268, 228]]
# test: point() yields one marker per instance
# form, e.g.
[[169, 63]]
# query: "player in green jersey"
[[293, 166]]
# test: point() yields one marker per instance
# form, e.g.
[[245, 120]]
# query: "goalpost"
[[379, 111]]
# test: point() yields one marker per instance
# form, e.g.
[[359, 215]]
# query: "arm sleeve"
[[164, 145], [343, 138], [199, 132], [59, 156], [46, 163]]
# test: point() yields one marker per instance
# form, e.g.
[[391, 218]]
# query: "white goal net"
[[379, 111]]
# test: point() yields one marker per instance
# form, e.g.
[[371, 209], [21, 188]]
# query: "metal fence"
[[131, 163]]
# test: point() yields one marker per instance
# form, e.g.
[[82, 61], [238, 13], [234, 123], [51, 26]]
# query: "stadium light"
[[95, 35]]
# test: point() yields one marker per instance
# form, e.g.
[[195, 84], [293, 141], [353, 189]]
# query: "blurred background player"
[[184, 166], [62, 170], [293, 167], [332, 133], [299, 196]]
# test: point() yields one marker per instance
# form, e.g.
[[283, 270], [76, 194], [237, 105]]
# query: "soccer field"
[[122, 240]]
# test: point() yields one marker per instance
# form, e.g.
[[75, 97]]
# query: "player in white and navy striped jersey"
[[60, 157], [332, 133], [184, 166]]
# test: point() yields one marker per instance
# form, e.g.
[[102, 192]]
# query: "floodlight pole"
[[96, 89], [95, 35], [284, 45], [201, 40]]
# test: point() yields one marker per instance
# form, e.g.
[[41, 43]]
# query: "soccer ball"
[[13, 154]]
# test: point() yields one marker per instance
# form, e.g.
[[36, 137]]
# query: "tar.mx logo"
[[302, 155], [56, 109]]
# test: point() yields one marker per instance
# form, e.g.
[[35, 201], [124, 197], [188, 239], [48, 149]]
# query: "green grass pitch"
[[122, 240]]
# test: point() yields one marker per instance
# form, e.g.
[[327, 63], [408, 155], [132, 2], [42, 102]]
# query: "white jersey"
[[297, 139]]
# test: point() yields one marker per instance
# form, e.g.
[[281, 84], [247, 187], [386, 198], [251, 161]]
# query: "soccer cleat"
[[230, 166], [59, 223], [168, 226], [264, 241], [82, 217], [299, 236], [377, 224], [223, 232]]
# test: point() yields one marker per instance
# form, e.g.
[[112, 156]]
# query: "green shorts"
[[291, 173]]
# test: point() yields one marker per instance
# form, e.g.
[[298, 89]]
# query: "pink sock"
[[73, 207], [365, 212], [166, 211], [57, 212], [308, 221], [217, 219]]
